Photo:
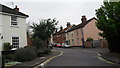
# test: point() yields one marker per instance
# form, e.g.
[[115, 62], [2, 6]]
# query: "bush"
[[7, 47], [25, 54], [9, 57], [47, 51], [89, 39], [38, 43], [42, 52]]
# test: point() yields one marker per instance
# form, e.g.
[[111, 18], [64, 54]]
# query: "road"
[[77, 57]]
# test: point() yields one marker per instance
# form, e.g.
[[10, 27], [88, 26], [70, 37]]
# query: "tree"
[[109, 22], [43, 31]]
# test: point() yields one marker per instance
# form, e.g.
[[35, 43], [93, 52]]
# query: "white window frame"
[[14, 22], [15, 46]]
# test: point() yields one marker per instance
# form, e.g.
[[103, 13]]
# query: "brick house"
[[77, 35], [60, 36]]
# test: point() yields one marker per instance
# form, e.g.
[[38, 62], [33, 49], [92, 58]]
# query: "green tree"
[[109, 22], [43, 31]]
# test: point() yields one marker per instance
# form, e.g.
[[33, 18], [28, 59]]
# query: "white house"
[[12, 27]]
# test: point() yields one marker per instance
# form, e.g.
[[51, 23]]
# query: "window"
[[77, 32], [67, 35], [15, 42], [14, 20], [73, 42], [78, 40]]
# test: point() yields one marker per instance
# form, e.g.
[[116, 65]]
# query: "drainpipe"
[[83, 44]]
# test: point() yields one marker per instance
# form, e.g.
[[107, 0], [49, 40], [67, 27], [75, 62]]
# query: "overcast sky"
[[67, 11]]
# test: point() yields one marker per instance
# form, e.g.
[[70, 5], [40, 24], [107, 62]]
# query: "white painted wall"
[[8, 31], [0, 32]]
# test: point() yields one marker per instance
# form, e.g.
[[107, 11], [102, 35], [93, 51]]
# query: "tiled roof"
[[80, 25], [71, 28], [6, 9], [61, 31]]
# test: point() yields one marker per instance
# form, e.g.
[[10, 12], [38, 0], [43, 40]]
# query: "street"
[[77, 57]]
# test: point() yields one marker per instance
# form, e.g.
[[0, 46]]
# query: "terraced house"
[[60, 36], [12, 27], [78, 34]]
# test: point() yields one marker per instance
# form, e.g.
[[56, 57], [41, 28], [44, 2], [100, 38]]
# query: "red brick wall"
[[29, 41], [88, 44], [59, 38], [104, 43]]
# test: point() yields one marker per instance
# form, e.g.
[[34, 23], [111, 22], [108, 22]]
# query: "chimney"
[[83, 19], [61, 28], [16, 8], [68, 24]]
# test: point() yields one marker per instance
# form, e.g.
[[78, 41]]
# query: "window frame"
[[14, 22], [18, 42]]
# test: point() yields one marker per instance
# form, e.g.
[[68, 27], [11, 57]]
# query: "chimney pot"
[[68, 24], [61, 28], [16, 8], [83, 19]]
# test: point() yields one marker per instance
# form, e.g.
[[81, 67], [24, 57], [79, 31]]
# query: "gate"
[[96, 43]]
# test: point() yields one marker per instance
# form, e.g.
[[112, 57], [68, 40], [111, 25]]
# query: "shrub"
[[25, 54], [43, 51], [89, 39], [47, 51], [9, 57], [38, 43], [7, 47]]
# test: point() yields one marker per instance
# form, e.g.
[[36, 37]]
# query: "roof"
[[80, 25], [6, 9], [71, 28], [61, 31]]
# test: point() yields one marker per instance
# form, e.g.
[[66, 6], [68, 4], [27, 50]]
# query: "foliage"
[[7, 47], [25, 54], [109, 22], [42, 52], [9, 57], [89, 39], [38, 43], [43, 31]]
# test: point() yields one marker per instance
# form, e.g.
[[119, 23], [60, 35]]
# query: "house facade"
[[60, 36], [12, 27], [77, 35], [73, 36]]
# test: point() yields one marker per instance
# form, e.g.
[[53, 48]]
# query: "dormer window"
[[14, 21]]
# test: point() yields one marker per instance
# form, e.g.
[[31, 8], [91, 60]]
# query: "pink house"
[[78, 34]]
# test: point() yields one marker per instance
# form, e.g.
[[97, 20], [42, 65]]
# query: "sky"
[[64, 11]]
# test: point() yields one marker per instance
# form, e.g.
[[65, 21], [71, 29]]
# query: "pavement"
[[109, 56], [106, 55], [35, 62]]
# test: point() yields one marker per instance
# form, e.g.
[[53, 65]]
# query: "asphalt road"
[[77, 57]]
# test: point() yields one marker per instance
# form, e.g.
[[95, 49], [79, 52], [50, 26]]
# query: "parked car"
[[66, 45], [54, 44], [58, 45]]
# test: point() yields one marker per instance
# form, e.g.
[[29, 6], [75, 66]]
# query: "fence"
[[97, 43]]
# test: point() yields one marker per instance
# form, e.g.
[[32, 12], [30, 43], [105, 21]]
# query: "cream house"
[[12, 27]]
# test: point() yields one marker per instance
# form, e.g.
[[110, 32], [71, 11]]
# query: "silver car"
[[66, 45]]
